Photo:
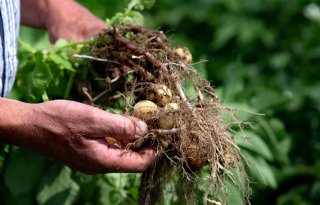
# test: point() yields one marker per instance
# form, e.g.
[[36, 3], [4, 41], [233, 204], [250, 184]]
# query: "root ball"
[[188, 130]]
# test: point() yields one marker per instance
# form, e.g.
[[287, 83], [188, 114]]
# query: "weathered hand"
[[74, 133], [69, 20]]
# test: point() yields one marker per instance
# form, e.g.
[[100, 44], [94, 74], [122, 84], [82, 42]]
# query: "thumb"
[[122, 127]]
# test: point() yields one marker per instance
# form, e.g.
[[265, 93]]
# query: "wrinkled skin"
[[67, 131], [78, 25], [74, 133], [61, 18], [83, 138]]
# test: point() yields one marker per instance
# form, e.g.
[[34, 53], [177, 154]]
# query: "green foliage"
[[262, 57], [130, 16], [43, 70], [13, 177], [57, 186]]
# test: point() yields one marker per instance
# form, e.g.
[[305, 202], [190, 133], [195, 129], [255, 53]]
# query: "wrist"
[[17, 121]]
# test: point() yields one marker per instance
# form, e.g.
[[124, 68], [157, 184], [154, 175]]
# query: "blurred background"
[[262, 56]]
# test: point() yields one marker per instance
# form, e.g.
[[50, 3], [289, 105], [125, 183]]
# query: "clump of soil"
[[128, 63]]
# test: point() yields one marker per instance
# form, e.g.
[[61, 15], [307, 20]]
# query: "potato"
[[172, 106], [123, 144], [184, 53], [114, 142], [111, 140], [168, 121], [137, 144], [164, 144], [145, 109], [160, 94]]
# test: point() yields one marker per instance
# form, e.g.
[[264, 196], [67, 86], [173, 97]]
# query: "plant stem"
[[70, 44], [69, 86]]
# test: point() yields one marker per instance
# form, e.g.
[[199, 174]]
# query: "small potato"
[[123, 144], [145, 109], [168, 121], [164, 144], [137, 144], [114, 142], [172, 106], [111, 141], [160, 94], [184, 53]]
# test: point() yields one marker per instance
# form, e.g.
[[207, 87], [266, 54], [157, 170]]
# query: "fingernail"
[[141, 128]]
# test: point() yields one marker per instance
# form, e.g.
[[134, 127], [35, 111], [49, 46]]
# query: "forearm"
[[61, 18], [33, 13], [37, 13], [16, 122]]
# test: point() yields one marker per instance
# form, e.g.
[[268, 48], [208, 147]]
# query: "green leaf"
[[313, 93], [33, 78], [148, 4], [280, 153], [250, 141], [57, 187], [41, 76], [114, 188], [283, 139], [260, 170], [62, 62], [241, 110], [234, 82], [201, 69], [61, 43], [132, 18], [22, 162], [269, 99], [88, 184], [224, 34], [189, 89], [24, 46], [21, 199], [235, 195], [105, 191]]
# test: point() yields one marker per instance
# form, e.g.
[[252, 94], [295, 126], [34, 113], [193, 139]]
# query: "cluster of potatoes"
[[158, 99]]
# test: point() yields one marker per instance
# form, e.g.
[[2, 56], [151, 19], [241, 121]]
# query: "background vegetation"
[[262, 56]]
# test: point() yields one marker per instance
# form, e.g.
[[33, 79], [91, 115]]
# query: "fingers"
[[121, 127], [94, 29], [130, 161], [141, 126], [90, 122], [117, 160]]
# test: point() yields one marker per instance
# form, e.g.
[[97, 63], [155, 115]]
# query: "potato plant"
[[146, 76]]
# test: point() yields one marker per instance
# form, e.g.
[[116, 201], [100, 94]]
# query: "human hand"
[[74, 133], [71, 21]]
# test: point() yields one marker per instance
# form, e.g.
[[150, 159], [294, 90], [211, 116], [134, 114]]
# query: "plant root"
[[137, 58]]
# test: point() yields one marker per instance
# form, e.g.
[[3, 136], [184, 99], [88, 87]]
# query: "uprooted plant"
[[137, 66]]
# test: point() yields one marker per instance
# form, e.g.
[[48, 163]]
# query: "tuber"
[[160, 94], [145, 109], [169, 121]]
